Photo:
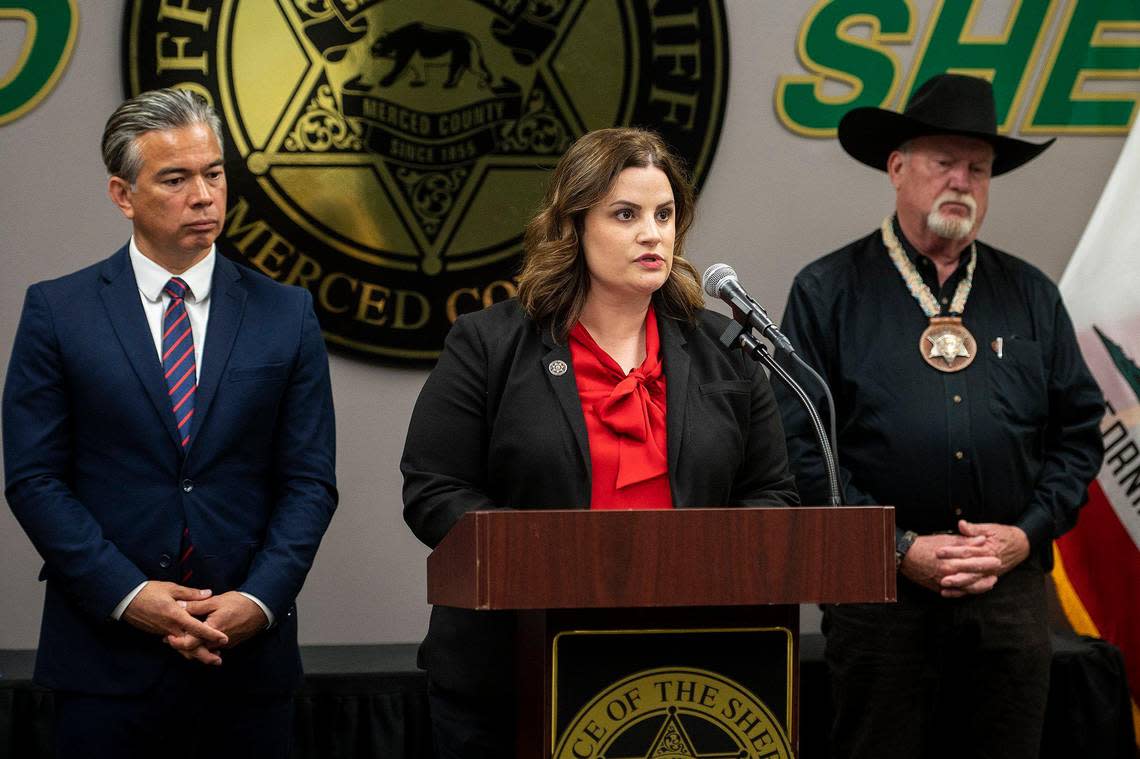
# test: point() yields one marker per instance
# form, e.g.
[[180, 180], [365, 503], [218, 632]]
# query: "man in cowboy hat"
[[962, 400]]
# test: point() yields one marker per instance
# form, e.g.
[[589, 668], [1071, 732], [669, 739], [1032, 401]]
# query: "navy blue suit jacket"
[[95, 474]]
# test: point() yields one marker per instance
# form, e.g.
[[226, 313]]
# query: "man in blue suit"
[[169, 449]]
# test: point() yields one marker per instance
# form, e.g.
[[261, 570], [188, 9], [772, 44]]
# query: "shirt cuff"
[[264, 608], [1037, 527], [117, 612]]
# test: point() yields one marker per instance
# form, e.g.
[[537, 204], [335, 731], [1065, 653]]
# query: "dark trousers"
[[466, 727], [186, 716], [935, 677]]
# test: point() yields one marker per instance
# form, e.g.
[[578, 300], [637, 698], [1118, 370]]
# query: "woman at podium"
[[602, 385]]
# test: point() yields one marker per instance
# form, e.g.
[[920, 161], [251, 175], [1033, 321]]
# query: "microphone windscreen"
[[715, 276]]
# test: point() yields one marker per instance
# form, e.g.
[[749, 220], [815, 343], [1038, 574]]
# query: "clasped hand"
[[967, 563], [195, 623]]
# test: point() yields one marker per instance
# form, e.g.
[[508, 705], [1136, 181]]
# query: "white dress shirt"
[[152, 279]]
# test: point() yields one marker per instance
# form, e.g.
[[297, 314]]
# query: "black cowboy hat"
[[944, 104]]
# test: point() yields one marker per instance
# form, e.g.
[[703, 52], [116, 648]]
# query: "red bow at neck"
[[634, 410]]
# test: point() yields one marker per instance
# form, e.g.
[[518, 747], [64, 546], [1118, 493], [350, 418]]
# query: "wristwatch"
[[903, 544]]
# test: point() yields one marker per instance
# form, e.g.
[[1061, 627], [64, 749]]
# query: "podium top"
[[559, 559]]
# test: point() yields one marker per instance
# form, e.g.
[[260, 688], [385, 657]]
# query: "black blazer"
[[495, 427]]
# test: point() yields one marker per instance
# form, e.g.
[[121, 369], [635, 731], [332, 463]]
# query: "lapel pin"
[[557, 367], [997, 345]]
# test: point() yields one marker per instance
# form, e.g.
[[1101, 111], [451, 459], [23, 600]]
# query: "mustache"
[[957, 197]]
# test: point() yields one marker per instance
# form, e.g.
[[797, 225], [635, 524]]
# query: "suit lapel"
[[566, 391], [676, 358], [227, 305], [121, 298]]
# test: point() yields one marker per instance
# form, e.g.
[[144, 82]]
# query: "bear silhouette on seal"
[[430, 42]]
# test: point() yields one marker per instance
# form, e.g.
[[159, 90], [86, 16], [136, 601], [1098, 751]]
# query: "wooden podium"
[[661, 598]]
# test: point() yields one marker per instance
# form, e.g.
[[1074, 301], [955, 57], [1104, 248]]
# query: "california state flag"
[[1097, 571]]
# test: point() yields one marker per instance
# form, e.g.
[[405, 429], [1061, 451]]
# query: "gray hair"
[[151, 111]]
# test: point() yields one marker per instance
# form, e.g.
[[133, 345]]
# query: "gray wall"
[[773, 202]]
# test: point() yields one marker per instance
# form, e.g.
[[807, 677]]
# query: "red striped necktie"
[[178, 364], [179, 367]]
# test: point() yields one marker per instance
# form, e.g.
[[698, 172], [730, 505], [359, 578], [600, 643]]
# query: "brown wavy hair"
[[554, 281]]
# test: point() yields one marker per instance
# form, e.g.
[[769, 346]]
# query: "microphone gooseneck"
[[720, 281]]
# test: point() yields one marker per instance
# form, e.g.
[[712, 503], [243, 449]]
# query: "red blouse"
[[625, 423]]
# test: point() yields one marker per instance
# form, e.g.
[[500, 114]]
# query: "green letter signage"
[[1091, 47], [827, 48], [1076, 68], [951, 45], [48, 41]]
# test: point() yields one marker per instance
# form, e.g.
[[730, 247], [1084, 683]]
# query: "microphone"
[[719, 281]]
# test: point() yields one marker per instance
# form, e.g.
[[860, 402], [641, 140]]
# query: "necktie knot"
[[176, 288]]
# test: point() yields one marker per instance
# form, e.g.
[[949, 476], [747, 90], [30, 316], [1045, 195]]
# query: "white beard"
[[952, 227]]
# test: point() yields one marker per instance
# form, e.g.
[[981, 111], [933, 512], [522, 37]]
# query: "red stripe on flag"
[[1103, 565]]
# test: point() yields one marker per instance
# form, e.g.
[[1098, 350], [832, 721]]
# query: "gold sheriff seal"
[[386, 154], [674, 713]]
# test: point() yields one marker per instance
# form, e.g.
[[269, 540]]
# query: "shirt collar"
[[152, 278], [924, 265], [911, 252]]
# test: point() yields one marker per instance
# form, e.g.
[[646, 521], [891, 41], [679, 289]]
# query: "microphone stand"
[[736, 336]]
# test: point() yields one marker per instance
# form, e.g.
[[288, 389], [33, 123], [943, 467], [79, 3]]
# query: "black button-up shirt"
[[1013, 438]]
